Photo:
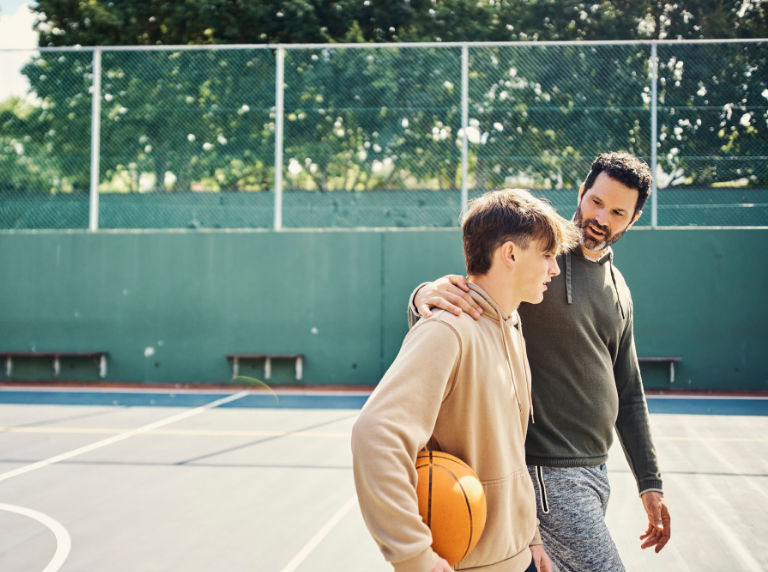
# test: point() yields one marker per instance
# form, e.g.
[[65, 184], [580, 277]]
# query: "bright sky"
[[16, 21]]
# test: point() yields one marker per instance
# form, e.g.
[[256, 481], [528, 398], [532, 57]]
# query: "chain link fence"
[[385, 135]]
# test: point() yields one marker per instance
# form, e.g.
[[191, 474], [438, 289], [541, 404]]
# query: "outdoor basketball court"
[[122, 480]]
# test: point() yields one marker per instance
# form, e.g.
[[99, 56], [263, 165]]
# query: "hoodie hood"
[[490, 308], [511, 332]]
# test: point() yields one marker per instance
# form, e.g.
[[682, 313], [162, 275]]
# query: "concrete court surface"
[[113, 481]]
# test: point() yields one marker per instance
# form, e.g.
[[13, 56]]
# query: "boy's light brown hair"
[[512, 215]]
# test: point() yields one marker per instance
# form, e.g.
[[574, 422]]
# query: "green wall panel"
[[168, 305], [700, 294], [309, 209]]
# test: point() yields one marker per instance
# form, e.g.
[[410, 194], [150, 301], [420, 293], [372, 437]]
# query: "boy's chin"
[[536, 299]]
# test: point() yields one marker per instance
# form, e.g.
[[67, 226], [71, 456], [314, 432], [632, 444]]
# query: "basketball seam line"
[[469, 509]]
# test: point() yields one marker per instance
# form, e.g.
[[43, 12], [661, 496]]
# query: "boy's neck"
[[500, 290]]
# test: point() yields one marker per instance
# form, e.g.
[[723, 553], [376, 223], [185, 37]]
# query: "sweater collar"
[[607, 256]]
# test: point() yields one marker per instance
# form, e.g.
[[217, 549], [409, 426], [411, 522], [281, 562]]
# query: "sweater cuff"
[[649, 485], [413, 313], [425, 560]]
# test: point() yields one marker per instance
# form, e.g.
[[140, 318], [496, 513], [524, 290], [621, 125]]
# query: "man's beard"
[[590, 242]]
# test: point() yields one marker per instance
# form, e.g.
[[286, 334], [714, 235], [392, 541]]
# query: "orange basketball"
[[451, 503]]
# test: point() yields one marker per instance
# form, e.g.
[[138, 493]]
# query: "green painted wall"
[[168, 305], [700, 294], [348, 210]]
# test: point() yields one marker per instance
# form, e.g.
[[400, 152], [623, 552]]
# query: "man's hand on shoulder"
[[449, 293], [659, 530]]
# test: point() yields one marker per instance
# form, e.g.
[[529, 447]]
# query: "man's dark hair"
[[625, 168]]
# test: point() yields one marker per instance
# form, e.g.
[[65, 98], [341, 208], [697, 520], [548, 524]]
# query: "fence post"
[[93, 207], [279, 109], [464, 124], [654, 134]]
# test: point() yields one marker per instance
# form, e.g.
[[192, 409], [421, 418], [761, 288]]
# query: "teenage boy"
[[464, 387]]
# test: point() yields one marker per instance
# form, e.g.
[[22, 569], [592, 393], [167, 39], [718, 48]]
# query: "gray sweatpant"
[[571, 510]]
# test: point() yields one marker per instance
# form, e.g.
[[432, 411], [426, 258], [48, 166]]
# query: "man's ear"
[[637, 216], [581, 194]]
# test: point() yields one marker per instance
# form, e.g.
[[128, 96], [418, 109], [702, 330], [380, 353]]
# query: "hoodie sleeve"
[[633, 423], [393, 426]]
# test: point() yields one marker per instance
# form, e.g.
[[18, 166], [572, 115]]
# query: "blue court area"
[[127, 480], [189, 398]]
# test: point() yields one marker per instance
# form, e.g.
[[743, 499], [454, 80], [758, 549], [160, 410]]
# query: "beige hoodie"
[[460, 386]]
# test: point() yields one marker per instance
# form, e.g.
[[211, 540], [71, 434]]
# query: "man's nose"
[[600, 217]]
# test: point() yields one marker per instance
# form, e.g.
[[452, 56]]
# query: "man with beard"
[[585, 376]]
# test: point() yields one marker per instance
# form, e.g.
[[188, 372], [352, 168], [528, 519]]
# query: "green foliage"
[[378, 119], [713, 114], [27, 160]]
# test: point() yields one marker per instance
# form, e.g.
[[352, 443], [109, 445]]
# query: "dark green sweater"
[[585, 375], [586, 378]]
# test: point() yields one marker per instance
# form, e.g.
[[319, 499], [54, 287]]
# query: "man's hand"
[[449, 293], [441, 566], [540, 558], [659, 531]]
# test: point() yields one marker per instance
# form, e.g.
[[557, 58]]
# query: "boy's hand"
[[442, 566], [540, 558], [449, 293]]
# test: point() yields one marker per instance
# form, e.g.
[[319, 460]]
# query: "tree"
[[20, 155], [168, 108], [713, 103], [375, 119]]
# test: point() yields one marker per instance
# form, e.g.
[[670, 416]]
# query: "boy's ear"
[[510, 249]]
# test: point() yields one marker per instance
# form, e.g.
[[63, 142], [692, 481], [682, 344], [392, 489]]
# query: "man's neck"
[[592, 254]]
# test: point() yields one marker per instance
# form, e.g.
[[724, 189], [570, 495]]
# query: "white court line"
[[318, 537], [121, 437], [63, 540]]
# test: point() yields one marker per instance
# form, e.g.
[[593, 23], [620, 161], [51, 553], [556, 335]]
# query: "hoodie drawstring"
[[512, 371], [615, 287], [526, 370], [509, 365]]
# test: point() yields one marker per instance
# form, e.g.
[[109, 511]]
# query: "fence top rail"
[[382, 45]]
